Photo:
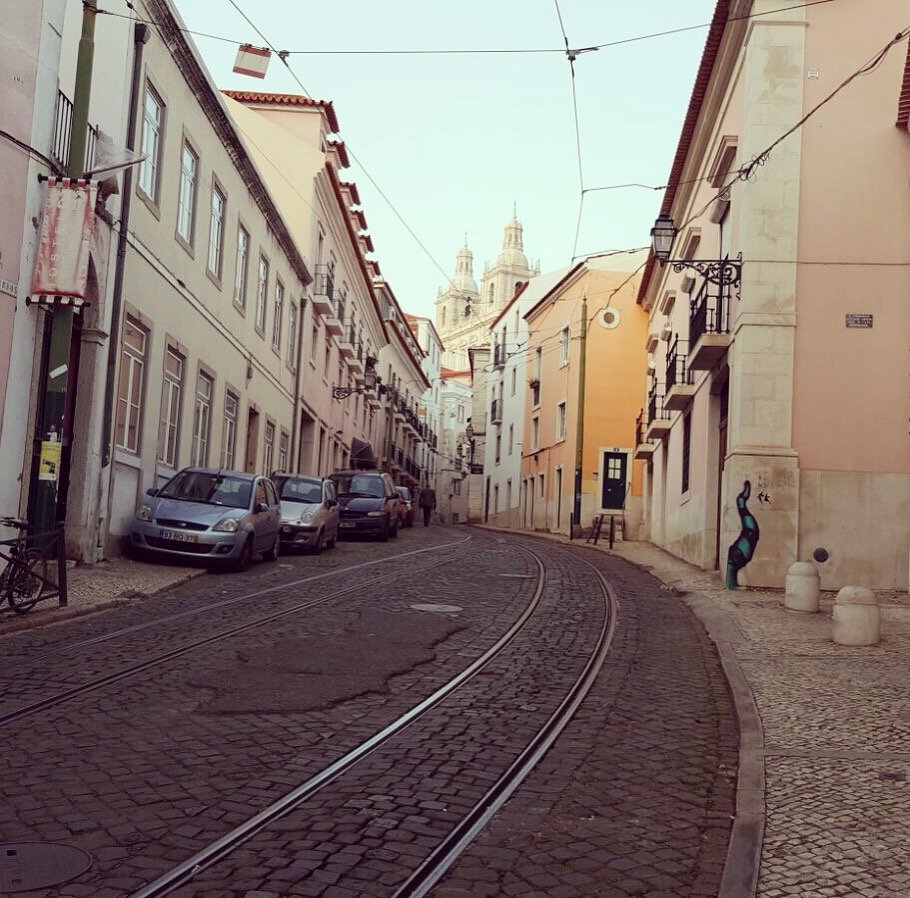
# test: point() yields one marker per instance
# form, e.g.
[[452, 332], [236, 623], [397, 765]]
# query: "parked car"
[[309, 512], [368, 503], [203, 513], [406, 507]]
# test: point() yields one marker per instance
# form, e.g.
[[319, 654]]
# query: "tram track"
[[98, 683], [449, 847]]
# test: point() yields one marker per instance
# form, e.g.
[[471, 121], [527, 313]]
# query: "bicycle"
[[23, 576]]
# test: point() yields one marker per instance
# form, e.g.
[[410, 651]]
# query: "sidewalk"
[[96, 587], [823, 796]]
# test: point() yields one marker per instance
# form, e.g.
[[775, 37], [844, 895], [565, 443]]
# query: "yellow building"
[[612, 355]]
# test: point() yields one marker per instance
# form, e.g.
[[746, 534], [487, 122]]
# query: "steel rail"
[[100, 682], [465, 831], [135, 628], [221, 848]]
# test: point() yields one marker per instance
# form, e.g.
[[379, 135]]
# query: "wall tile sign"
[[854, 320]]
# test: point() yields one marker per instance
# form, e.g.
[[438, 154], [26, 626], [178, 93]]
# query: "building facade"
[[776, 423]]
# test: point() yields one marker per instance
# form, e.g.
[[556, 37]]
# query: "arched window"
[[442, 319], [491, 292]]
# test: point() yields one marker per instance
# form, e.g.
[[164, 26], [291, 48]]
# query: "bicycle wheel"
[[25, 581]]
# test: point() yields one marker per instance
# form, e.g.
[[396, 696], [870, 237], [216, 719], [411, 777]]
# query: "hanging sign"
[[252, 60], [61, 271]]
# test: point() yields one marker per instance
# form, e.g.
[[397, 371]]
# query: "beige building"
[[776, 423]]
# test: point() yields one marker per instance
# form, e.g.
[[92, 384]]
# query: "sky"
[[445, 145]]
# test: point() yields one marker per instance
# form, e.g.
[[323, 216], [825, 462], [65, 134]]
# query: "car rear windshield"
[[358, 485], [307, 491], [214, 489]]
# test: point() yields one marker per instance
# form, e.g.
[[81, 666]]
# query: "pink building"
[[777, 422]]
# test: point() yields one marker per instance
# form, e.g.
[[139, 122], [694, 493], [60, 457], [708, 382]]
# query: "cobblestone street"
[[635, 797]]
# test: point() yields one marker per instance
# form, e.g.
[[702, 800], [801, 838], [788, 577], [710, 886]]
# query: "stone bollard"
[[802, 587], [856, 616]]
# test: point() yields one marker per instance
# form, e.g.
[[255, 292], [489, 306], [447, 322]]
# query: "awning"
[[362, 455], [46, 299]]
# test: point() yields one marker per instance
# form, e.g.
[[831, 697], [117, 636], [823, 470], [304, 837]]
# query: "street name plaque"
[[854, 320]]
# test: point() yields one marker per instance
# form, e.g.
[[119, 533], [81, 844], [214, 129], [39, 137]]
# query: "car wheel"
[[319, 545], [272, 554], [245, 558]]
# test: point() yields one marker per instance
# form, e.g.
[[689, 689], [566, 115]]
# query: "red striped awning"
[[50, 300]]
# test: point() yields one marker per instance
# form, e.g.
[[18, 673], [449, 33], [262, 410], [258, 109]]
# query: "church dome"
[[512, 255], [463, 281]]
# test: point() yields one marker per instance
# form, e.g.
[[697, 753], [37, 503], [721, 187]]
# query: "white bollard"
[[802, 587], [856, 617]]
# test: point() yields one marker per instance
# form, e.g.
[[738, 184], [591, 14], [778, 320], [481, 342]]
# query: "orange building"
[[614, 363]]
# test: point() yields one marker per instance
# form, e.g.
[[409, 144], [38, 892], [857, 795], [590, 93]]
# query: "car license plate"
[[179, 537], [347, 524]]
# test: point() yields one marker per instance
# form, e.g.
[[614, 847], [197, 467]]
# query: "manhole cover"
[[437, 609], [36, 865]]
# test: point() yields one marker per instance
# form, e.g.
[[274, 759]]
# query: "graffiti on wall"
[[742, 550]]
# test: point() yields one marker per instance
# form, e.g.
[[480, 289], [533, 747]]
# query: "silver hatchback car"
[[205, 513], [309, 512]]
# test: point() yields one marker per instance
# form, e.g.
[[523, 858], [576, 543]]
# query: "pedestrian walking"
[[427, 504]]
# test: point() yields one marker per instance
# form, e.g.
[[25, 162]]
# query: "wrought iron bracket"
[[344, 392], [722, 272]]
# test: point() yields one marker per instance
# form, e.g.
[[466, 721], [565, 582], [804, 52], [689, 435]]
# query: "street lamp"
[[370, 381], [723, 272]]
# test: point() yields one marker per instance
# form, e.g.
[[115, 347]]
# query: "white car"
[[309, 512]]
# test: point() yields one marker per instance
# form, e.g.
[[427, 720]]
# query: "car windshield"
[[306, 491], [359, 485], [213, 489]]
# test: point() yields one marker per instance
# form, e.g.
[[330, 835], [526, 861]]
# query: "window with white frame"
[[186, 201], [229, 434], [171, 394], [283, 444], [292, 335], [216, 231], [152, 128], [202, 420], [262, 293], [564, 346], [269, 448], [243, 261], [131, 385], [314, 343], [277, 320], [561, 421]]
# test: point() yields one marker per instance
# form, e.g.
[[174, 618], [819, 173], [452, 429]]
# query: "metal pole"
[[82, 91], [580, 425]]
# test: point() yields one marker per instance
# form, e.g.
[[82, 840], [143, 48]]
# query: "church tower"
[[464, 313]]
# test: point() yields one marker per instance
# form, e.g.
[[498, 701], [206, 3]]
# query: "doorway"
[[723, 409], [252, 440], [615, 471]]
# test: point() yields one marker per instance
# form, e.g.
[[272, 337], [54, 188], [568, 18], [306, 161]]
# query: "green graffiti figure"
[[741, 552]]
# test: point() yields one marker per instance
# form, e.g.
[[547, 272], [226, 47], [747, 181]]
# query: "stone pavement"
[[96, 587], [823, 797]]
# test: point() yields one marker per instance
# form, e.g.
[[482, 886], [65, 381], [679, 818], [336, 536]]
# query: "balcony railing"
[[499, 355], [640, 428], [324, 282], [676, 366], [709, 312], [655, 405], [63, 135]]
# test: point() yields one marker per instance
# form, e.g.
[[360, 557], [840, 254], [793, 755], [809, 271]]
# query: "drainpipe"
[[140, 38], [580, 427], [82, 90], [296, 416]]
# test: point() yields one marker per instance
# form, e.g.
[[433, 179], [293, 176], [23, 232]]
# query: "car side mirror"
[[262, 506], [151, 491]]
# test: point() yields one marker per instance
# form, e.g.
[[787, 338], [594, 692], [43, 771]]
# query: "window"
[[279, 315], [326, 363], [460, 417], [216, 232], [186, 202], [202, 420], [292, 335], [496, 499], [498, 446], [514, 380], [283, 444], [240, 276], [535, 432], [511, 438], [561, 421], [170, 407], [538, 363], [262, 292], [491, 293], [456, 487], [442, 319], [131, 386], [314, 343], [687, 446], [563, 347], [269, 454], [229, 434], [152, 128], [542, 484]]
